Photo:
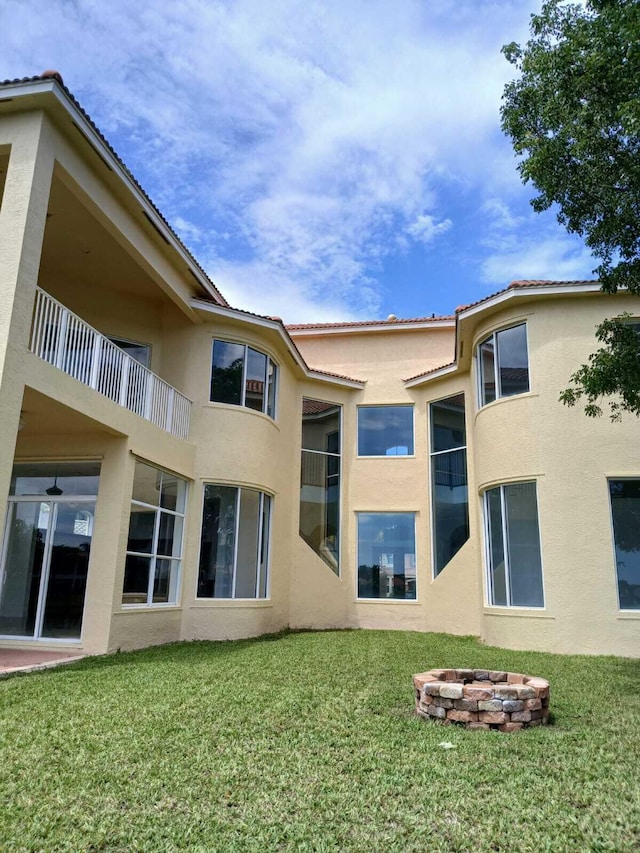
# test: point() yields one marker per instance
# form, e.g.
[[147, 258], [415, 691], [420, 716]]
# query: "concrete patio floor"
[[29, 660]]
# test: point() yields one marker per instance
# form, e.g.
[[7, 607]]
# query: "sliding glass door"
[[26, 534], [45, 558]]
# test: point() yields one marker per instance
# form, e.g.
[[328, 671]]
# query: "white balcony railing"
[[61, 338]]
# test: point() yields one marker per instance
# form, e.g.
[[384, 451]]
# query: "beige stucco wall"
[[61, 418], [382, 357], [22, 222], [237, 446], [533, 437], [107, 624], [525, 437], [450, 602]]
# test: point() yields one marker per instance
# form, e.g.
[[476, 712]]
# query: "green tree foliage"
[[613, 370], [573, 115]]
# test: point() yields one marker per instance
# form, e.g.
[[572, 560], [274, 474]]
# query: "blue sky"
[[323, 160]]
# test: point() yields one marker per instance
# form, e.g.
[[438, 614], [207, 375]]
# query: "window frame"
[[117, 341], [484, 497], [431, 454], [243, 384], [386, 600], [362, 406], [153, 555], [616, 579], [338, 455], [214, 599], [496, 366]]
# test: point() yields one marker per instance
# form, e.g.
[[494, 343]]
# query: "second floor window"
[[138, 352], [243, 376], [385, 431], [503, 364]]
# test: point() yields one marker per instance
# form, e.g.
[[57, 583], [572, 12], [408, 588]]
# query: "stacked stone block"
[[482, 699]]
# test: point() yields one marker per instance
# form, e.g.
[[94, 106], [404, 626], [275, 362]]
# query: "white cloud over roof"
[[300, 148]]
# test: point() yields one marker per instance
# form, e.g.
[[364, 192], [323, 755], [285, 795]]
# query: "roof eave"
[[415, 381], [510, 293], [278, 327], [527, 292], [49, 86], [316, 330]]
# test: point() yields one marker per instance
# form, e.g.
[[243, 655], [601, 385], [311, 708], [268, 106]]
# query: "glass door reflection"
[[46, 562]]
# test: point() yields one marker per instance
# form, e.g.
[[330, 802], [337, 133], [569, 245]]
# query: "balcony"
[[61, 338]]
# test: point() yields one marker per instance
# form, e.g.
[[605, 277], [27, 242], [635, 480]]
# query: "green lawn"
[[308, 741]]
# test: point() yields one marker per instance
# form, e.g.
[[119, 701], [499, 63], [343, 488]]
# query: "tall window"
[[154, 548], [385, 431], [513, 546], [234, 546], [503, 364], [320, 480], [243, 376], [449, 493], [625, 512], [386, 555]]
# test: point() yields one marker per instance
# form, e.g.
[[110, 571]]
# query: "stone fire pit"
[[482, 699]]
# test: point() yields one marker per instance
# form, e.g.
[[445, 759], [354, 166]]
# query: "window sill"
[[520, 612], [231, 407], [207, 603], [403, 456], [147, 608], [403, 601], [631, 615], [501, 400]]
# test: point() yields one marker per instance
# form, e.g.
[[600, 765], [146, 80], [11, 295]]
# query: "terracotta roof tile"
[[523, 283], [357, 324], [55, 75], [279, 322], [316, 407], [515, 285], [429, 372], [335, 375], [542, 282]]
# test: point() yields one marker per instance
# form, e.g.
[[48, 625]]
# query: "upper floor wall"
[[383, 355], [74, 221], [531, 430]]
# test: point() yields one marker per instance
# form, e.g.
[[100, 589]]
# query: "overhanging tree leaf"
[[573, 116]]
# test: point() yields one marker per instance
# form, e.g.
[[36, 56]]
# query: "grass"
[[308, 742]]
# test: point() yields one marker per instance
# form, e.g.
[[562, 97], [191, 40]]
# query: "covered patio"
[[30, 660]]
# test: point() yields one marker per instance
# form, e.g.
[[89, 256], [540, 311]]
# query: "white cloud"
[[525, 245], [501, 217], [552, 258], [301, 139], [191, 234], [260, 288], [426, 229]]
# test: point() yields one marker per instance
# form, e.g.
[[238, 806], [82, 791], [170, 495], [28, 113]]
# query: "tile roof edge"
[[358, 324], [277, 323], [432, 371], [57, 78], [336, 375], [523, 284]]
